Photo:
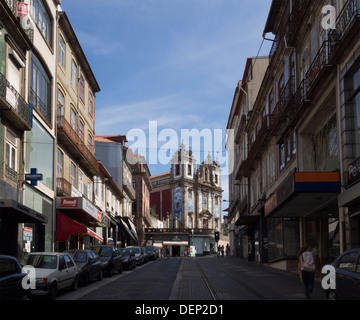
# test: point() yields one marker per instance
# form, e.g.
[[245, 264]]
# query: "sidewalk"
[[237, 279]]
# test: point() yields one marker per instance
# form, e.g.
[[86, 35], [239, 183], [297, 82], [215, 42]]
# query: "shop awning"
[[17, 212], [67, 226], [132, 228], [125, 225], [80, 209], [303, 193], [247, 220]]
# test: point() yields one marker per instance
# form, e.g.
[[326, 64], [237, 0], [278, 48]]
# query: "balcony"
[[68, 138], [255, 146], [295, 20], [27, 26], [14, 107], [346, 31], [319, 66], [279, 112], [63, 187]]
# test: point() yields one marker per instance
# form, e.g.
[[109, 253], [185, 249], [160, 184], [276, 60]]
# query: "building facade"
[[242, 231], [76, 165], [142, 186], [301, 157], [188, 200]]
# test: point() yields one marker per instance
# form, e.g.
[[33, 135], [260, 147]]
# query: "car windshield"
[[124, 251], [149, 249], [103, 251], [80, 256], [42, 261]]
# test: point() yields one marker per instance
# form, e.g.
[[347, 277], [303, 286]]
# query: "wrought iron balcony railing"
[[13, 101], [76, 146], [350, 11]]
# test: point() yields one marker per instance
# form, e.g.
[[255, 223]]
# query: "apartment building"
[[243, 229], [303, 136], [76, 165], [28, 68], [142, 186], [111, 150]]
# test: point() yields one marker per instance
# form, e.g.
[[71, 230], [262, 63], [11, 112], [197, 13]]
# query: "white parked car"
[[53, 271]]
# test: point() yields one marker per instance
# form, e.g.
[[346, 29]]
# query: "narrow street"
[[204, 278]]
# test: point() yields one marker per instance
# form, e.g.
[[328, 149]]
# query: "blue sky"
[[176, 62]]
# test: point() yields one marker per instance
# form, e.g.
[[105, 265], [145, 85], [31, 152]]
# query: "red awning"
[[67, 226]]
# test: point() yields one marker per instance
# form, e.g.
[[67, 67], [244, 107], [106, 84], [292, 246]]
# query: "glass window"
[[8, 267], [60, 103], [90, 143], [81, 182], [72, 173], [11, 152], [82, 89], [68, 260], [91, 105], [42, 261], [42, 19], [62, 263], [81, 131], [40, 94], [73, 119], [73, 73], [348, 261], [60, 164], [39, 142], [62, 51]]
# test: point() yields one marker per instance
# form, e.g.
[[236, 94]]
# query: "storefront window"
[[42, 204], [283, 238]]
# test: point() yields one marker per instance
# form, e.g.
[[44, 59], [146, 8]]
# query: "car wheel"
[[75, 283], [53, 291], [100, 276], [331, 295]]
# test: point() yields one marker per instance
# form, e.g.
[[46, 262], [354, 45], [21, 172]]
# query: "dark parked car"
[[146, 256], [11, 277], [89, 265], [139, 256], [127, 258], [347, 280], [110, 258], [151, 252]]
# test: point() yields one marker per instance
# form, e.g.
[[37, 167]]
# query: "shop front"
[[77, 220], [303, 209], [349, 203], [22, 229]]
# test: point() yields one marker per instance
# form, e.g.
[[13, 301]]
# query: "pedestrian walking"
[[307, 269], [227, 250], [222, 251]]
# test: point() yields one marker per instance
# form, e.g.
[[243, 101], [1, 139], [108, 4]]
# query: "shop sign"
[[28, 234], [91, 209], [68, 203], [353, 172], [22, 9]]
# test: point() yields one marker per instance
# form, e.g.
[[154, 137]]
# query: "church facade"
[[188, 202]]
